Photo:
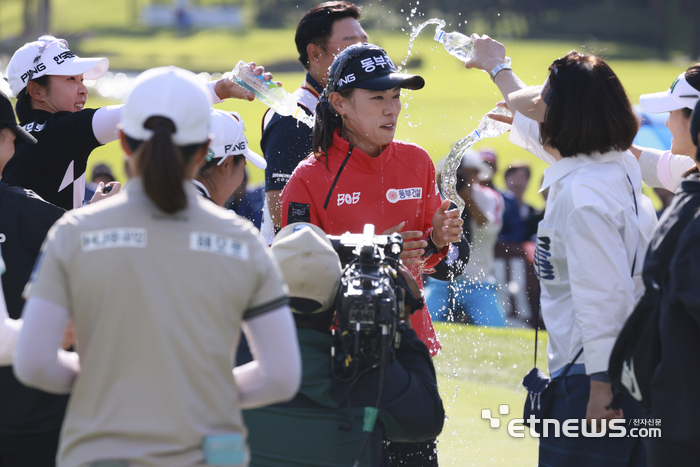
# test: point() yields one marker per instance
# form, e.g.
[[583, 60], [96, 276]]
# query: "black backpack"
[[637, 351]]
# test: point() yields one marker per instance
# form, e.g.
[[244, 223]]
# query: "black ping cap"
[[7, 117], [367, 66], [695, 124]]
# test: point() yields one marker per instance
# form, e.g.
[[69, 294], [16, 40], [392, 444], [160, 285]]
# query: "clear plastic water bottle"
[[489, 128], [267, 92], [458, 44]]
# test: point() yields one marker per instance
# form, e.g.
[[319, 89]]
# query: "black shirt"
[[54, 167], [285, 142], [27, 415]]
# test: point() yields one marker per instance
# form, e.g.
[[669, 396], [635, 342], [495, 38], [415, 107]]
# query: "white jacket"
[[590, 248]]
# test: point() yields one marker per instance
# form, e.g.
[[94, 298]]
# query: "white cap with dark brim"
[[230, 140], [50, 56], [679, 96]]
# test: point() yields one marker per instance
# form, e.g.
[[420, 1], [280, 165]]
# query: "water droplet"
[[405, 106], [406, 115]]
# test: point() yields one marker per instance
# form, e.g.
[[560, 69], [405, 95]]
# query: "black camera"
[[370, 300]]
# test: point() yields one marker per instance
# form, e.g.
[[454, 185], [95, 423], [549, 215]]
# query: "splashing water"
[[488, 128], [415, 31]]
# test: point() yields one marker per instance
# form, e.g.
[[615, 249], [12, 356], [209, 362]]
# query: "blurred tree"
[[36, 18]]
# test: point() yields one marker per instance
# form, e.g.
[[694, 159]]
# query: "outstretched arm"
[[489, 53]]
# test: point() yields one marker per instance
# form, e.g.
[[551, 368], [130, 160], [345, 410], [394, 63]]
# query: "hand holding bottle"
[[227, 88], [269, 93], [487, 53]]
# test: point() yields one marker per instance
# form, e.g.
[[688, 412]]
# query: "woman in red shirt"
[[358, 174]]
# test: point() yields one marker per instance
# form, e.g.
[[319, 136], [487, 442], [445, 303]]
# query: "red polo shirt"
[[397, 186]]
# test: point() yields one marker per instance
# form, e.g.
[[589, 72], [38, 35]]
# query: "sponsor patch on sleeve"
[[298, 212], [113, 238], [218, 244]]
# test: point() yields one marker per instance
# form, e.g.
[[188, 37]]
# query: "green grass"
[[449, 107], [480, 368]]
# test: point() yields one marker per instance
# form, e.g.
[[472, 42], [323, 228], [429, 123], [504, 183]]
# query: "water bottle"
[[458, 44], [269, 93], [489, 128]]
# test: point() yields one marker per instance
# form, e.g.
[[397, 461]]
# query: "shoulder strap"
[[337, 176]]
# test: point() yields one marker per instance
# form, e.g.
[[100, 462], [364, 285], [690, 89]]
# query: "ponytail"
[[327, 121], [162, 164]]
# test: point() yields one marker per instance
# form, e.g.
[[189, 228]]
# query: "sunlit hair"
[[588, 109]]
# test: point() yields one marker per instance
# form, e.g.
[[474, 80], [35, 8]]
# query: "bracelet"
[[497, 69], [432, 240]]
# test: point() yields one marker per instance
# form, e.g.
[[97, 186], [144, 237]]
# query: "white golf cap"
[[50, 56], [173, 93], [229, 139], [680, 95]]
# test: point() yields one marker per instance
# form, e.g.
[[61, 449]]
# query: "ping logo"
[[495, 422], [346, 79], [347, 198], [31, 72], [394, 196], [236, 148]]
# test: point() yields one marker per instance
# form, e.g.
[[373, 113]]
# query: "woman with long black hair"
[[159, 282]]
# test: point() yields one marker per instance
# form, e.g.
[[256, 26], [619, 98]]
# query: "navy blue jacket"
[[28, 417], [676, 381]]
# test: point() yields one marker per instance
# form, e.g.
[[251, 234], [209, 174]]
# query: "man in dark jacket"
[[30, 420], [329, 418]]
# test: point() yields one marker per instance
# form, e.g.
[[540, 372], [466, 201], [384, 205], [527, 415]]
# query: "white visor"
[[680, 95]]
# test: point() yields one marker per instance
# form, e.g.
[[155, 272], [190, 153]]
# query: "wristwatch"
[[498, 68]]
